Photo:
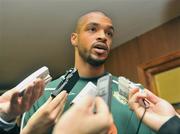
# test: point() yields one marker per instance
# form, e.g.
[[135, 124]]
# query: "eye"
[[109, 33], [92, 29]]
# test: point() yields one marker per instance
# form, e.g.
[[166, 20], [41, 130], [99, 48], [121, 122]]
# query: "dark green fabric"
[[14, 130], [125, 120], [172, 126]]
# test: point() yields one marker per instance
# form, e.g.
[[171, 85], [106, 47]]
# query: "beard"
[[95, 62], [86, 56]]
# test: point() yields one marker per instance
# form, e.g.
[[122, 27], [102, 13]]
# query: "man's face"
[[94, 38]]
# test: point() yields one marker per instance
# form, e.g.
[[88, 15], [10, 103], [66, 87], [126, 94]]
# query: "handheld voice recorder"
[[42, 73]]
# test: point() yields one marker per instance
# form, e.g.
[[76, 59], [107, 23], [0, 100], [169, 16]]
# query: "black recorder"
[[68, 82]]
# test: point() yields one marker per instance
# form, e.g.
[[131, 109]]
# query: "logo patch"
[[120, 98]]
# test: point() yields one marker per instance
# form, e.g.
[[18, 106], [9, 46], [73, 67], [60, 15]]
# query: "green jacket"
[[125, 120]]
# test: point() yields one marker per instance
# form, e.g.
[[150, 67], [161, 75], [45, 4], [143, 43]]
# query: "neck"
[[86, 70]]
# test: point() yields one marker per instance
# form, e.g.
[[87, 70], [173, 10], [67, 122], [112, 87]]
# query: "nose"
[[101, 36]]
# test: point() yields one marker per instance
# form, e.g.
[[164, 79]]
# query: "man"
[[12, 104], [92, 41], [160, 115]]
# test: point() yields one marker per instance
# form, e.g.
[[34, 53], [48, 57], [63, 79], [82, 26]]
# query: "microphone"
[[69, 80], [104, 89], [42, 73], [125, 85], [89, 90]]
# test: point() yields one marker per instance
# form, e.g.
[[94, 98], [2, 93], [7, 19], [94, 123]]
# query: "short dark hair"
[[78, 24]]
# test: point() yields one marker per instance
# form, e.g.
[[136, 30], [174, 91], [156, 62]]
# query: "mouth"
[[100, 47]]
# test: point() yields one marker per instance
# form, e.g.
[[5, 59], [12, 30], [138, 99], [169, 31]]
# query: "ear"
[[74, 39]]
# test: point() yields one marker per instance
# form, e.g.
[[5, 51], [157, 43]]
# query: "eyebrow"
[[92, 24], [111, 27], [96, 24]]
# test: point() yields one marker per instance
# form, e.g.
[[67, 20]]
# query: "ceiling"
[[34, 33]]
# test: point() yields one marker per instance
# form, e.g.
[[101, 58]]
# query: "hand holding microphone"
[[20, 99], [159, 110]]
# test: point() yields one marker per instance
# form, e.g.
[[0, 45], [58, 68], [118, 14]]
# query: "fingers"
[[57, 100], [59, 96], [38, 88], [152, 97], [101, 106], [31, 94], [26, 98], [132, 99], [56, 113], [18, 104], [133, 91], [102, 111], [86, 104], [42, 86], [102, 118], [135, 97], [54, 107], [48, 101], [10, 108], [35, 91], [139, 95], [14, 100]]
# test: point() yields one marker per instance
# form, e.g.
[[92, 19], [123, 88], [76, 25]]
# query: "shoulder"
[[54, 83], [48, 89]]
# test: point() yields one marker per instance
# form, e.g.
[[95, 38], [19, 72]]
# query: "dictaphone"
[[42, 73]]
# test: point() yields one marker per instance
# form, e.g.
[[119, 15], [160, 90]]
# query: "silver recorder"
[[104, 89], [126, 85]]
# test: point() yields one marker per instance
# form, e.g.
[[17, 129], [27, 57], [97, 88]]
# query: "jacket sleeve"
[[15, 130], [172, 126]]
